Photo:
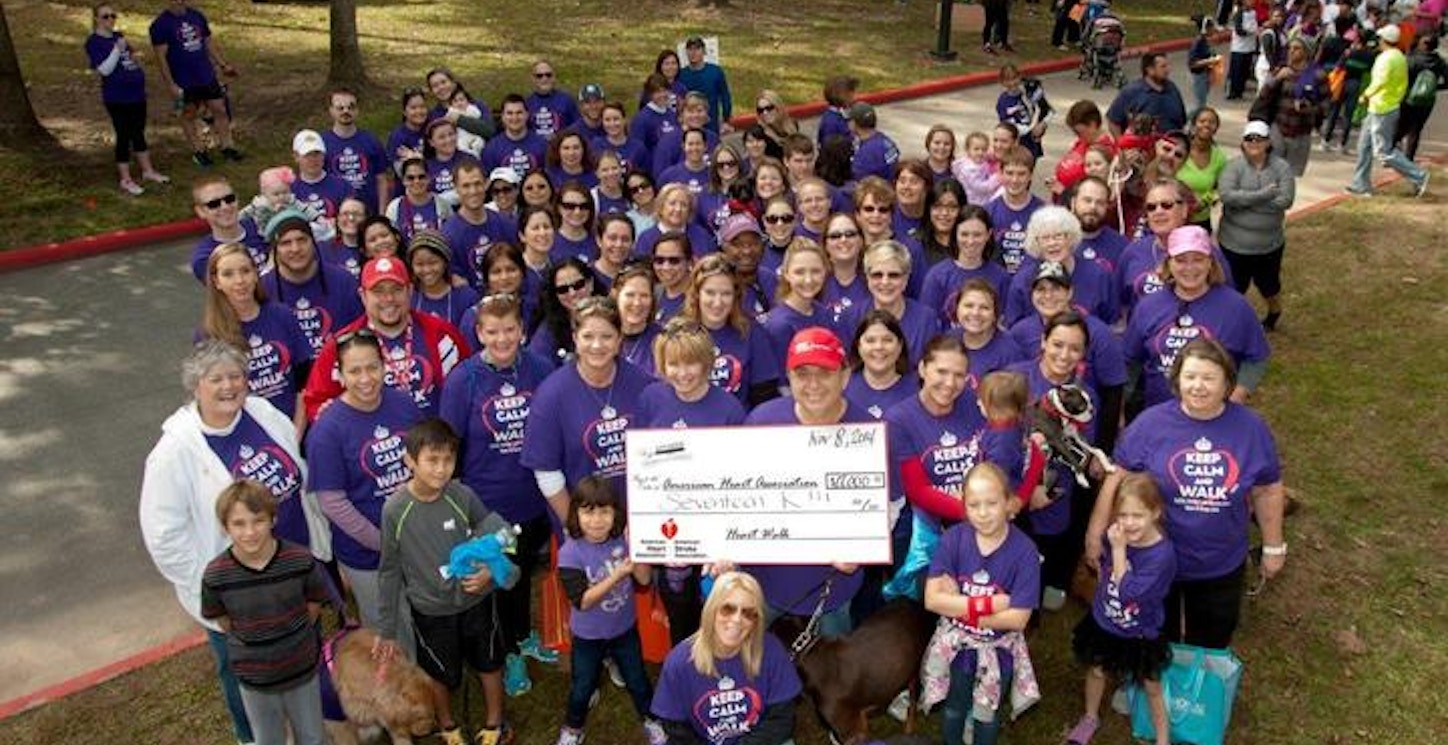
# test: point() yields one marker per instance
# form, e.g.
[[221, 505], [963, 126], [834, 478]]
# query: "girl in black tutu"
[[1121, 636]]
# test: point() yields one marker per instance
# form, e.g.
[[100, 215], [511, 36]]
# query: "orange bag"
[[653, 622], [1336, 82]]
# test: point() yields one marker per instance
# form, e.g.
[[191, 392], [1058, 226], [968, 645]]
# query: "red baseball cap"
[[816, 346], [384, 268]]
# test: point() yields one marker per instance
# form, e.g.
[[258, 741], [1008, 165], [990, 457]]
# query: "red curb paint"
[[95, 245], [1391, 178], [100, 675]]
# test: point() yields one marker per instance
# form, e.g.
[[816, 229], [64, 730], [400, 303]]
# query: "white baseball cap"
[[308, 141]]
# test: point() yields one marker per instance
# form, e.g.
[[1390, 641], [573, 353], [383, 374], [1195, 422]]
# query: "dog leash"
[[810, 635]]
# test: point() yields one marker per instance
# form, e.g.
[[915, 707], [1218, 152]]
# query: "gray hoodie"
[[1254, 205]]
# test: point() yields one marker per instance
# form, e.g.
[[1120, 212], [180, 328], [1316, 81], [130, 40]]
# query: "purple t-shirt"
[[843, 302], [669, 150], [550, 113], [877, 402], [1092, 289], [403, 136], [250, 453], [524, 155], [450, 307], [414, 217], [1010, 229], [944, 280], [359, 160], [638, 349], [742, 363], [680, 173], [360, 453], [275, 345], [1013, 568], [338, 254], [1055, 518], [470, 242], [488, 408], [127, 81], [647, 127], [324, 195], [324, 303], [585, 249], [578, 429], [633, 156], [185, 36], [1162, 324], [1104, 248], [604, 204], [833, 125], [919, 323], [251, 237], [558, 177], [701, 241], [1206, 471], [999, 353], [1135, 607], [443, 174], [1004, 444], [660, 408], [723, 710], [615, 614], [782, 322], [1104, 365], [668, 307], [946, 446], [903, 225], [1136, 272], [875, 156]]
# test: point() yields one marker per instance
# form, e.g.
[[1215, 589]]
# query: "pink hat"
[[738, 224], [382, 269], [816, 346], [1187, 239]]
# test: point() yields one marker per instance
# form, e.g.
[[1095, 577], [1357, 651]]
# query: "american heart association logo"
[[669, 529]]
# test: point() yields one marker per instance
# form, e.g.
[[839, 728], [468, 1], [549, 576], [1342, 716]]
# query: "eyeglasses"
[[573, 206], [543, 75], [354, 335], [415, 177], [536, 187], [668, 260], [215, 204], [748, 613], [504, 189], [874, 209], [945, 206], [1255, 138], [838, 235], [787, 217], [573, 286], [765, 109], [107, 16], [1167, 205], [892, 276]]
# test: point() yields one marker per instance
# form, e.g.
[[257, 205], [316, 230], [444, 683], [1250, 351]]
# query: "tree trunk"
[[18, 125], [346, 67]]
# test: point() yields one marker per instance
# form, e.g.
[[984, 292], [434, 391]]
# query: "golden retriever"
[[396, 698]]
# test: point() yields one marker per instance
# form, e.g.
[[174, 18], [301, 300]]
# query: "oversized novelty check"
[[759, 495]]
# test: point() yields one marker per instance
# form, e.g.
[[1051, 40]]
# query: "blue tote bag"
[[1199, 688]]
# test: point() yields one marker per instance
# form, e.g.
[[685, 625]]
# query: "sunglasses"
[[727, 163], [107, 16], [1255, 138], [354, 335], [668, 260], [542, 75], [730, 610], [892, 276], [874, 209], [574, 286], [765, 109], [836, 235], [636, 188], [787, 217], [415, 177], [1155, 206], [573, 206], [215, 204], [504, 189]]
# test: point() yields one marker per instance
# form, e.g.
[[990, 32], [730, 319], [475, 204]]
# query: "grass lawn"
[[1346, 648], [281, 50]]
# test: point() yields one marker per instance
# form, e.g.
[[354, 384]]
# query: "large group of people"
[[382, 374]]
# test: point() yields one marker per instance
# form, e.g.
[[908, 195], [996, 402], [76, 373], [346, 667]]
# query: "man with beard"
[[356, 155], [1091, 204], [322, 296], [1153, 95]]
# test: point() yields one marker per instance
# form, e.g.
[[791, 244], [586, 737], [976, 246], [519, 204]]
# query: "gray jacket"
[[1254, 205]]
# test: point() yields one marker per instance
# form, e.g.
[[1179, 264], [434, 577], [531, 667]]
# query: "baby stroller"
[[1101, 46]]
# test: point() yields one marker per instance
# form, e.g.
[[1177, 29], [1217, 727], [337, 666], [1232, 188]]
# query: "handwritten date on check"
[[759, 495]]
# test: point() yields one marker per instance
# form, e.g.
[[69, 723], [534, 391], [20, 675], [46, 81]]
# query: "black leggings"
[[129, 120], [1410, 127], [997, 22], [515, 606], [1212, 607]]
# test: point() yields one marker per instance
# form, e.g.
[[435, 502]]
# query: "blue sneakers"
[[533, 647], [515, 676]]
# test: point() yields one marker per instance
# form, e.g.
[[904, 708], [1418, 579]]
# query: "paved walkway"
[[90, 371]]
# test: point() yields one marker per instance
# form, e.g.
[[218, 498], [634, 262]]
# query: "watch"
[[1278, 550]]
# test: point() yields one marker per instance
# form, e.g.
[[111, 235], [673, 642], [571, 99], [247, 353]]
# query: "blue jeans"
[[1201, 88], [230, 687], [960, 702], [300, 707], [1376, 140], [587, 658], [833, 624]]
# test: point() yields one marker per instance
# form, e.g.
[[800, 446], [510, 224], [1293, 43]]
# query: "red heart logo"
[[669, 529]]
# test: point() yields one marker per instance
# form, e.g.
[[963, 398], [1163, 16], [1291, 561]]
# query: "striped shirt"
[[273, 643]]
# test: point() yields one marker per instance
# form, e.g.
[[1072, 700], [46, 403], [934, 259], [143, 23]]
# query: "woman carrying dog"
[[732, 682], [220, 434], [1197, 303], [1215, 462]]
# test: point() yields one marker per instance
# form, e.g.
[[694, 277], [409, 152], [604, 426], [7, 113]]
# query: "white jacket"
[[178, 499]]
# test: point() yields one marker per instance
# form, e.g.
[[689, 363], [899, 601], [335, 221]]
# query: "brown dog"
[[395, 697], [856, 675]]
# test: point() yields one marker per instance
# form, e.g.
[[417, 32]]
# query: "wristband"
[[976, 608], [1278, 550]]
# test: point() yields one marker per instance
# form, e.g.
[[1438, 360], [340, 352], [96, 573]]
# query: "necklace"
[[605, 404]]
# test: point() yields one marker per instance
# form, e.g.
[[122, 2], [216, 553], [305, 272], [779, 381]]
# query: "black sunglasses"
[[787, 217], [573, 286], [215, 204], [764, 109]]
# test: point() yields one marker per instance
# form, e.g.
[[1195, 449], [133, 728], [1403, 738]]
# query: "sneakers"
[[899, 708], [569, 736], [593, 700], [988, 49], [232, 154], [515, 676], [1357, 192], [499, 735], [1084, 730], [156, 177], [1053, 599], [130, 187], [1120, 702], [654, 732], [1323, 146], [202, 159], [614, 674], [532, 646], [1008, 48], [1423, 187], [454, 736]]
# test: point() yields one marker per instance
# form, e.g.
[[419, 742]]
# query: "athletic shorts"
[[202, 93], [473, 636]]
